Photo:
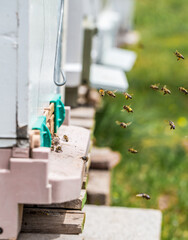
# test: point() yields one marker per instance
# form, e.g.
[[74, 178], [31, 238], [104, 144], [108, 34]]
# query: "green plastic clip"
[[45, 136], [59, 111]]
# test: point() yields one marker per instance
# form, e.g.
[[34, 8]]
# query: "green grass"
[[160, 168]]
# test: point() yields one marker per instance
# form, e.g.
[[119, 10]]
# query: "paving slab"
[[119, 223]]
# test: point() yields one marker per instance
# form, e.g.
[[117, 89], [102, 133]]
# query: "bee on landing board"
[[102, 92], [127, 108], [65, 137], [165, 90], [122, 124], [184, 90], [85, 158], [58, 149], [111, 93], [143, 195], [127, 95], [172, 125], [155, 86], [178, 55], [132, 150]]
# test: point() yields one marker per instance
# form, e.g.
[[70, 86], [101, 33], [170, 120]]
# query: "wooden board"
[[55, 221], [85, 181], [104, 158], [76, 204], [39, 236], [98, 188]]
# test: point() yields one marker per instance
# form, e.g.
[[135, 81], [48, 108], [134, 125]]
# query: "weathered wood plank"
[[76, 204], [86, 123], [85, 181], [38, 236], [57, 221]]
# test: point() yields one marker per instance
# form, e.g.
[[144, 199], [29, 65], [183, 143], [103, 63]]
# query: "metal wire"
[[57, 64]]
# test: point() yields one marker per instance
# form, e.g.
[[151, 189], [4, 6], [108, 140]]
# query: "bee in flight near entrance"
[[127, 95], [172, 125], [127, 108], [102, 92], [179, 55], [155, 86], [184, 90], [165, 90], [132, 150], [111, 93], [122, 124], [143, 195]]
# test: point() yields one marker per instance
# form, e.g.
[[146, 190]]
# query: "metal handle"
[[57, 63]]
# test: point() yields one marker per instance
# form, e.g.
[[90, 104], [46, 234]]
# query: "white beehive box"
[[28, 35]]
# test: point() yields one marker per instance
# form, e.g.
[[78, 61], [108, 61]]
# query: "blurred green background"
[[161, 166]]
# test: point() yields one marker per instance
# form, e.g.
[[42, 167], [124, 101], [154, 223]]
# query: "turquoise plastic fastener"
[[59, 111], [45, 136]]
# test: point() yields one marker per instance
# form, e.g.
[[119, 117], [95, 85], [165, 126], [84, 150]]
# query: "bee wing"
[[129, 123], [123, 110], [118, 122], [139, 195], [114, 91]]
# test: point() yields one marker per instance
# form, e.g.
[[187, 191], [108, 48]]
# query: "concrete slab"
[[119, 223]]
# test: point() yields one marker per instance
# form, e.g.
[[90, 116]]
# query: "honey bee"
[[122, 124], [58, 149], [172, 125], [127, 108], [52, 148], [127, 95], [165, 90], [111, 93], [102, 92], [143, 195], [55, 141], [66, 138], [155, 86], [179, 55], [132, 150], [184, 90], [85, 158]]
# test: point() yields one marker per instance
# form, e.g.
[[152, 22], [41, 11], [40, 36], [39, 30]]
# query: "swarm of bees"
[[127, 108]]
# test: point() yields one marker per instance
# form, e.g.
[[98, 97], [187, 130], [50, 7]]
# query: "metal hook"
[[57, 64]]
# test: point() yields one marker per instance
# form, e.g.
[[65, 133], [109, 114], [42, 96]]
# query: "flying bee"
[[66, 138], [143, 195], [179, 55], [165, 90], [132, 150], [58, 149], [184, 90], [122, 124], [155, 86], [111, 93], [85, 158], [127, 95], [102, 92], [172, 125], [127, 108]]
